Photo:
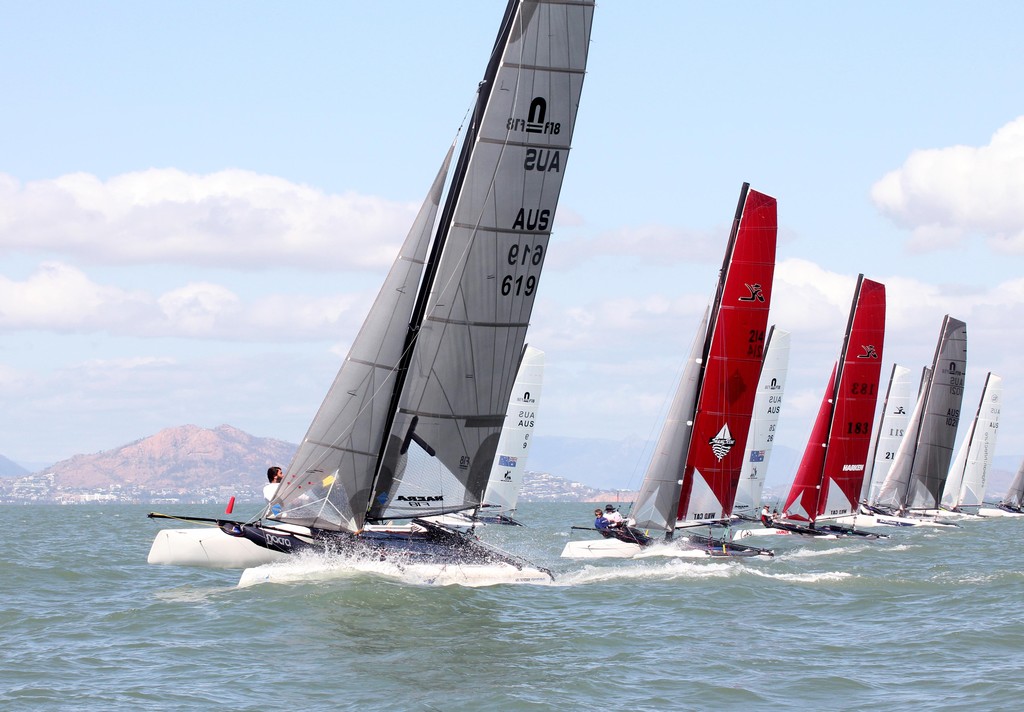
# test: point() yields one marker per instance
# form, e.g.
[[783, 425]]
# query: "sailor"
[[766, 517], [600, 523], [615, 519], [274, 477]]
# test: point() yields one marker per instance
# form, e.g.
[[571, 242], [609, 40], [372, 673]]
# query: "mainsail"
[[829, 477], [411, 426], [767, 407], [731, 363], [919, 470], [506, 480], [965, 485], [695, 469], [889, 433], [1014, 497]]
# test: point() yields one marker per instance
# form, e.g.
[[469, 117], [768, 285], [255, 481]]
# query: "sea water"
[[926, 619]]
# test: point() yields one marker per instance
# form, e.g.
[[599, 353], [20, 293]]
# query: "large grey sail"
[[659, 494], [327, 483], [494, 236], [941, 417], [922, 463]]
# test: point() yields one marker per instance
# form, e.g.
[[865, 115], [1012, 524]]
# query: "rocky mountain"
[[182, 458]]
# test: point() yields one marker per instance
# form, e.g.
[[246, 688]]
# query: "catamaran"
[[1012, 503], [692, 477], [964, 491], [828, 480], [886, 437], [918, 474], [410, 427]]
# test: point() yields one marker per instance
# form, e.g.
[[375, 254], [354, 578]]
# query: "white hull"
[[996, 512], [883, 521], [757, 531], [600, 549], [208, 547]]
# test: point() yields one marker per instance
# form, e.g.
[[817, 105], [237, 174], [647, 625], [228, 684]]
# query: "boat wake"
[[325, 567], [663, 571]]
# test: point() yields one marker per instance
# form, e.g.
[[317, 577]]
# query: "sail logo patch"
[[722, 443], [756, 295], [507, 461], [757, 455], [869, 351], [535, 119]]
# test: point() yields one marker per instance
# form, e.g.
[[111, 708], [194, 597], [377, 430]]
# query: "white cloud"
[[63, 299], [946, 195], [231, 218]]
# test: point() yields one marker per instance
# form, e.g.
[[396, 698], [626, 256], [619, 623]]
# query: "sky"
[[198, 201]]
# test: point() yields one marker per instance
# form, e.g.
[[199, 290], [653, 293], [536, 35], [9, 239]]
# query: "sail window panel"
[[423, 485]]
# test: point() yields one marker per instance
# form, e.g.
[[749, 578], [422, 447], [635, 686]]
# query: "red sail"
[[802, 502], [854, 397], [732, 363]]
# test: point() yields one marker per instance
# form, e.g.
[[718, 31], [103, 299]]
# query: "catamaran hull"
[[883, 521], [600, 549], [210, 548], [996, 512], [689, 546]]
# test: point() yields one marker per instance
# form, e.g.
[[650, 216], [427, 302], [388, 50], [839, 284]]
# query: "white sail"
[[767, 406], [506, 481], [965, 485], [899, 400], [1014, 497]]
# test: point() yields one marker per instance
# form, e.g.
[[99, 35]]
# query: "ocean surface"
[[927, 619]]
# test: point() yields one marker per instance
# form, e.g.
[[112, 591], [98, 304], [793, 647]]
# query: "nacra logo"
[[428, 498]]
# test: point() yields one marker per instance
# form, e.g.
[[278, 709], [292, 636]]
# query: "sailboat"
[[1012, 503], [828, 480], [916, 479], [767, 408], [410, 427], [506, 481], [964, 491], [693, 474], [886, 437]]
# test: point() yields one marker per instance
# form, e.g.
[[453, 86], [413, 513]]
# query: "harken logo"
[[756, 295], [722, 443], [869, 351]]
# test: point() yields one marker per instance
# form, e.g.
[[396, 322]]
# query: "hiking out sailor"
[[766, 517], [612, 515], [600, 523]]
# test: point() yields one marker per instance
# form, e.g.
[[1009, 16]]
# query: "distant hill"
[[185, 457], [9, 468]]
